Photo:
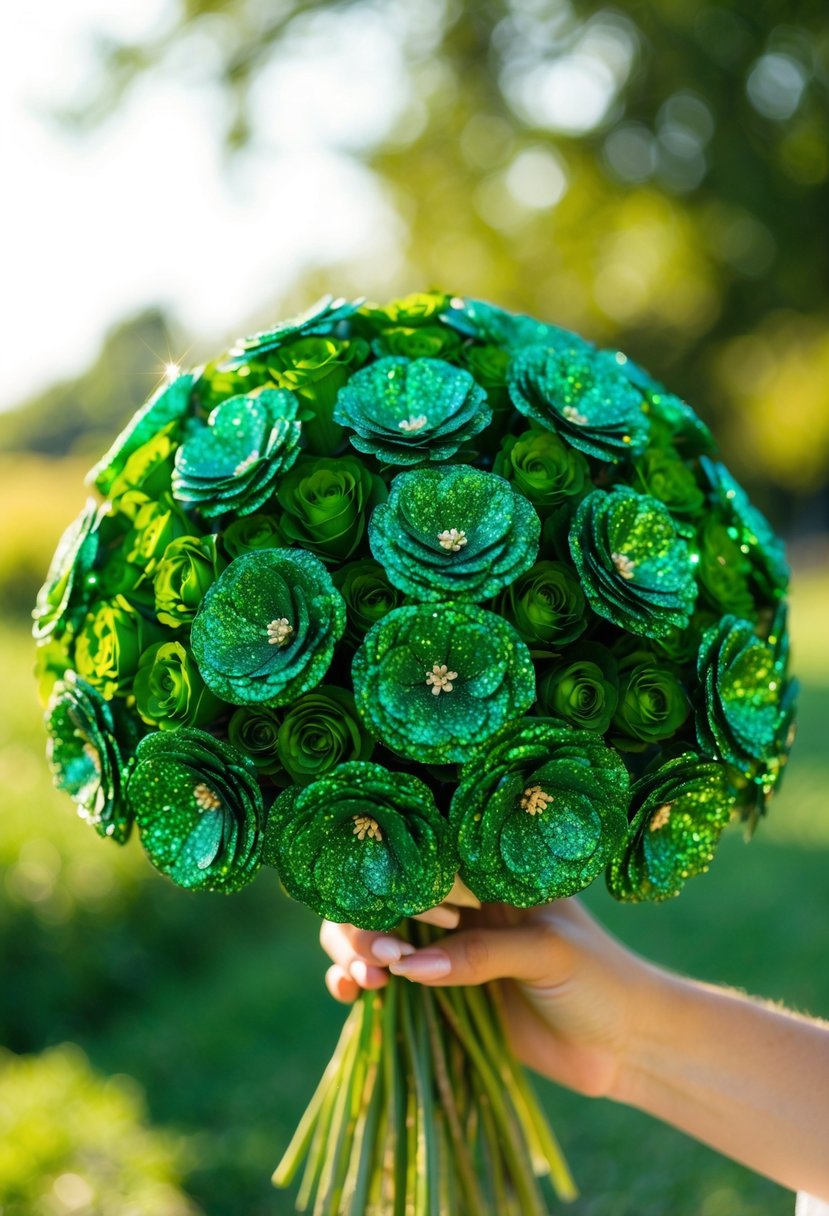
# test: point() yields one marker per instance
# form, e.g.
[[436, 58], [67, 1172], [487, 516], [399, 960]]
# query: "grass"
[[215, 1006]]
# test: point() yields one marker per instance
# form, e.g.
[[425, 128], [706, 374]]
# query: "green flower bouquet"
[[385, 597]]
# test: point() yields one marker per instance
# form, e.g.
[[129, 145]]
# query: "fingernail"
[[389, 949], [423, 965], [359, 972]]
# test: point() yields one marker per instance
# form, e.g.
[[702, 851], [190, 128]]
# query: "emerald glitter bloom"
[[362, 845], [198, 808], [477, 319], [63, 599], [321, 318], [543, 467], [677, 815], [235, 461], [266, 629], [453, 533], [169, 404], [740, 703], [583, 396], [635, 569], [325, 504], [91, 742], [406, 412], [752, 531], [433, 681], [539, 811]]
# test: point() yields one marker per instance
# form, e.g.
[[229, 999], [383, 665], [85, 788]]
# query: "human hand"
[[570, 991]]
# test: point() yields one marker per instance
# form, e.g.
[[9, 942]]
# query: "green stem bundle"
[[423, 1111]]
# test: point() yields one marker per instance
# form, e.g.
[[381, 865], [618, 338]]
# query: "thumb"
[[532, 952]]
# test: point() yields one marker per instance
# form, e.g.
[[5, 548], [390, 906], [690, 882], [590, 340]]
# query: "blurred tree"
[[654, 174]]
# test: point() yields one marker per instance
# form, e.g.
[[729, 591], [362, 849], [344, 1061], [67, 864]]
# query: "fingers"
[[444, 916], [532, 952], [341, 986]]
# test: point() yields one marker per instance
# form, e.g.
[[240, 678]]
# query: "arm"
[[750, 1080]]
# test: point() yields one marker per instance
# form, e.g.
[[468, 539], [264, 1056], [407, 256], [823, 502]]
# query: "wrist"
[[654, 998]]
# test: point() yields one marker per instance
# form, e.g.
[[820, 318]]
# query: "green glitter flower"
[[724, 569], [635, 570], [368, 596], [64, 598], [453, 533], [406, 412], [169, 404], [188, 568], [198, 808], [266, 629], [539, 811], [673, 422], [89, 748], [234, 462], [433, 681], [739, 704], [583, 397], [543, 467], [581, 687], [653, 704], [362, 845], [753, 532], [677, 814], [546, 605], [110, 643], [321, 318], [325, 504], [169, 692], [485, 322]]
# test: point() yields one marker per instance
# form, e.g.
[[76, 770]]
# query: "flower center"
[[244, 465], [279, 631], [623, 564], [415, 423], [535, 800], [452, 540], [660, 818], [573, 415], [364, 826], [206, 798], [440, 678]]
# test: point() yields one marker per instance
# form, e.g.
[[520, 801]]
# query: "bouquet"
[[387, 597]]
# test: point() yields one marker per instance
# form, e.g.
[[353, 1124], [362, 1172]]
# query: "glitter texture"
[[539, 811], [321, 318], [406, 411], [765, 551], [500, 530], [63, 599], [169, 404], [493, 679]]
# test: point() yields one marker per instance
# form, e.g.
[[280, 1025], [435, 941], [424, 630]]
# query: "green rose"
[[543, 467], [362, 845], [653, 704], [169, 692], [250, 532], [218, 382], [546, 605], [724, 570], [316, 369], [110, 644], [188, 567], [118, 576], [424, 342], [156, 524], [582, 688], [368, 596], [254, 730], [320, 731], [662, 474], [326, 504], [149, 468], [489, 365], [199, 809], [418, 309]]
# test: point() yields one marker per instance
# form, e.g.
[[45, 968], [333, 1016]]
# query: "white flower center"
[[415, 423], [244, 465], [660, 818], [440, 678], [364, 826], [206, 798], [279, 631], [535, 800], [623, 564], [573, 415], [452, 540]]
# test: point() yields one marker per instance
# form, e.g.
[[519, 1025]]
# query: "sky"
[[141, 211]]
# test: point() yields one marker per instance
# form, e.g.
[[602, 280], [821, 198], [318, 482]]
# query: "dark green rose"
[[156, 524], [546, 605], [543, 467], [320, 731], [368, 596], [489, 365], [316, 368], [167, 407], [64, 598], [724, 570], [169, 692], [417, 342], [662, 474], [187, 568], [362, 845], [582, 687], [253, 730], [199, 809], [119, 576], [653, 704], [250, 532], [109, 645], [149, 468], [326, 504]]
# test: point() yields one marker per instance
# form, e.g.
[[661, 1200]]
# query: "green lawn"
[[215, 1006]]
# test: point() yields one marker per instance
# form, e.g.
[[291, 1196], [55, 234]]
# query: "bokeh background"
[[179, 171]]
